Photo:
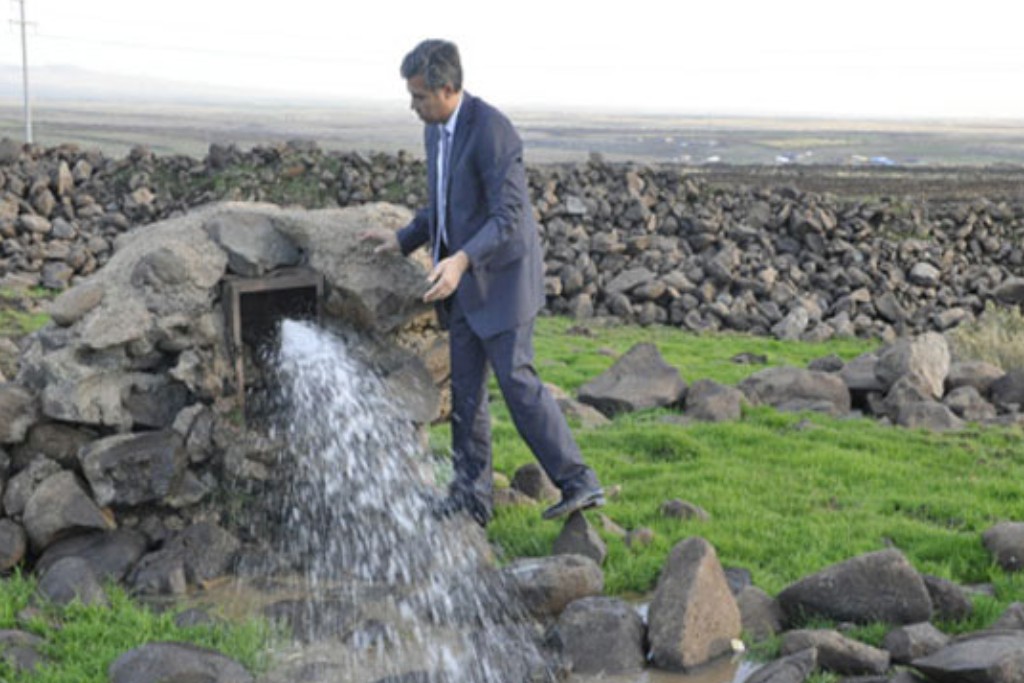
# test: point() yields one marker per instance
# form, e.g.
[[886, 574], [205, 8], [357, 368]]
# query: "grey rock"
[[793, 388], [1012, 618], [977, 374], [693, 616], [925, 275], [13, 544], [21, 486], [110, 554], [56, 441], [70, 579], [879, 586], [985, 657], [159, 573], [547, 584], [836, 652], [950, 602], [176, 662], [709, 401], [600, 635], [1009, 389], [859, 374], [638, 380], [932, 416], [579, 538], [628, 280], [59, 506], [761, 614], [73, 304], [682, 509], [18, 412], [1010, 291], [21, 650], [906, 643], [208, 551], [252, 243], [531, 480], [1005, 541], [794, 668], [131, 469], [925, 356], [967, 404]]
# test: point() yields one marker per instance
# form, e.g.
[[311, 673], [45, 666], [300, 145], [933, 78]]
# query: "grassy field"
[[788, 494]]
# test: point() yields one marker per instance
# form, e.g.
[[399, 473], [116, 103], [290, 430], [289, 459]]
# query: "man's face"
[[432, 106]]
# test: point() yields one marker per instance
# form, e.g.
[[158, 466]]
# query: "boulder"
[[913, 641], [794, 668], [600, 636], [693, 616], [21, 486], [836, 652], [73, 304], [640, 379], [547, 584], [977, 374], [1005, 541], [13, 544], [878, 586], [18, 412], [1008, 390], [789, 388], [21, 650], [929, 415], [761, 614], [58, 507], [926, 357], [984, 657], [579, 538], [950, 602], [110, 553], [710, 401], [967, 404], [176, 662], [1012, 618], [56, 441], [71, 579], [253, 245], [131, 469], [531, 480]]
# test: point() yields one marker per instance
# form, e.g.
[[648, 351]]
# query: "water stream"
[[374, 585]]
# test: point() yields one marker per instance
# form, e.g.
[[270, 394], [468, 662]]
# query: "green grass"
[[788, 494], [83, 641]]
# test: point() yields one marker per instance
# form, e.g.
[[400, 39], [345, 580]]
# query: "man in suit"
[[487, 282]]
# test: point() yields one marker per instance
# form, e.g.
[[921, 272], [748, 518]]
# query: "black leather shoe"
[[587, 497]]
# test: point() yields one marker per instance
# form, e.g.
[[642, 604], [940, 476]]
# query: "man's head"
[[433, 74]]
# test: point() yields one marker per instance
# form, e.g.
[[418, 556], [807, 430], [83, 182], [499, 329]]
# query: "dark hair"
[[437, 61]]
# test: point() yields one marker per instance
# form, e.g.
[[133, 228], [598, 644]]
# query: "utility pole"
[[24, 75]]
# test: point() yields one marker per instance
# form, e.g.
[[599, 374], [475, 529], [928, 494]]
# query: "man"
[[487, 282]]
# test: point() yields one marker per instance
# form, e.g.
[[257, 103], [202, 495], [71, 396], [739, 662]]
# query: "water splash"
[[404, 591]]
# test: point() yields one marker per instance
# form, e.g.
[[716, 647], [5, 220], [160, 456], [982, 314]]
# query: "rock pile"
[[646, 244]]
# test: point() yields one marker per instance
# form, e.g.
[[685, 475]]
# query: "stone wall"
[[646, 244]]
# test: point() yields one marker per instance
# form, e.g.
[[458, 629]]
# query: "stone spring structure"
[[120, 433]]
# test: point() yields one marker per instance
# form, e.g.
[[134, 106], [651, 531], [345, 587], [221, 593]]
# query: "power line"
[[24, 72]]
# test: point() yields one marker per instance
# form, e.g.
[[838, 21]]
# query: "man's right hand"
[[387, 240]]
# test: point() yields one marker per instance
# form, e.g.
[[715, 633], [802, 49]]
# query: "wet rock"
[[531, 480], [879, 586], [13, 544], [1005, 541], [985, 657], [709, 401], [600, 635], [836, 652], [110, 554], [176, 662], [131, 469], [794, 668], [70, 579], [906, 643], [638, 380], [159, 573], [693, 616], [788, 388], [208, 551], [58, 507], [547, 584], [578, 538]]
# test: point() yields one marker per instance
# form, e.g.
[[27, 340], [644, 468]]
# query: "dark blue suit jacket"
[[489, 218]]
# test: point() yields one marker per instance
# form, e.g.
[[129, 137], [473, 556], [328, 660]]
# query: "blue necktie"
[[442, 193]]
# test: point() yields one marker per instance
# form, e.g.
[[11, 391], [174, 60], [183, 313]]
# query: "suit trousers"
[[534, 411]]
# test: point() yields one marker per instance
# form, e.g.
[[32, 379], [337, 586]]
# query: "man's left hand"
[[445, 276]]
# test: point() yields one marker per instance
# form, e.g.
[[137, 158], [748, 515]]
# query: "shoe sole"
[[594, 501]]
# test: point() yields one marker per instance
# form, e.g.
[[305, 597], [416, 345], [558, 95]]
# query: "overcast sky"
[[888, 58]]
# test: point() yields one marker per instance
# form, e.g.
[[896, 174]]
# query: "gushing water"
[[402, 590]]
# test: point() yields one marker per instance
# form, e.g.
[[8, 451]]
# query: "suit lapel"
[[462, 129]]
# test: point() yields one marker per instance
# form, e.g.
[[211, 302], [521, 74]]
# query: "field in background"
[[549, 137]]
